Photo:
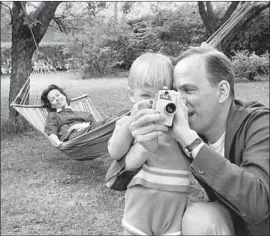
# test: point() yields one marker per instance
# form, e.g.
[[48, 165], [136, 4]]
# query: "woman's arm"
[[51, 128], [55, 139], [121, 139]]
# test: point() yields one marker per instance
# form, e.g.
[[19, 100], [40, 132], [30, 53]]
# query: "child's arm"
[[136, 156], [121, 139]]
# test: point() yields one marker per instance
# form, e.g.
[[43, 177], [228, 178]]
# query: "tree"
[[212, 21], [24, 42]]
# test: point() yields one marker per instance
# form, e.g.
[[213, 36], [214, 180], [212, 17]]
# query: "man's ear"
[[131, 94], [224, 91]]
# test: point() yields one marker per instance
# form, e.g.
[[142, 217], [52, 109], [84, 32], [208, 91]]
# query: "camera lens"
[[170, 108]]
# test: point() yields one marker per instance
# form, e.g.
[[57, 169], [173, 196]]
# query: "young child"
[[157, 195]]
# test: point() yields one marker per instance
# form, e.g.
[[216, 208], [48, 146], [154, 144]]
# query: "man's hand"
[[143, 127], [78, 127], [180, 128]]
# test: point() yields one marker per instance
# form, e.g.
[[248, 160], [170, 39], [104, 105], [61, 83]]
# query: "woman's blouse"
[[59, 122]]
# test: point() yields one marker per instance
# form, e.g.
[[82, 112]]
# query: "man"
[[227, 141]]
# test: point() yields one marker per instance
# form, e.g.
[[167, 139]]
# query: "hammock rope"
[[94, 143], [228, 25]]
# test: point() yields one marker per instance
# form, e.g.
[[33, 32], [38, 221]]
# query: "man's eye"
[[145, 95], [188, 90]]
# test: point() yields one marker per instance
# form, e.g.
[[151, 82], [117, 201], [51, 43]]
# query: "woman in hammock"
[[63, 123]]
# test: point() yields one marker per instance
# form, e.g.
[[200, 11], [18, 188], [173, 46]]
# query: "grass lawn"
[[43, 192]]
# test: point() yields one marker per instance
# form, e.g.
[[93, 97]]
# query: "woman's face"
[[57, 99]]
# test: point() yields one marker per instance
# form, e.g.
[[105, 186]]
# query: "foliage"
[[179, 28], [5, 60], [5, 24], [50, 52], [98, 48], [249, 65], [255, 36]]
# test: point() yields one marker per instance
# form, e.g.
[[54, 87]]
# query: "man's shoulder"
[[250, 106]]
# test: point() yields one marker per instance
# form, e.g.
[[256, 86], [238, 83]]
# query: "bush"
[[5, 60], [50, 52], [100, 48], [249, 65]]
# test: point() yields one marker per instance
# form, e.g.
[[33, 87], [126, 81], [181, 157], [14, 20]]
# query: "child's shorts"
[[153, 212]]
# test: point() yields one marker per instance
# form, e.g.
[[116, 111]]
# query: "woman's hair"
[[45, 100], [151, 70]]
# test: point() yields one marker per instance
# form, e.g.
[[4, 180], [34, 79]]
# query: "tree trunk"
[[255, 11], [115, 4], [22, 50]]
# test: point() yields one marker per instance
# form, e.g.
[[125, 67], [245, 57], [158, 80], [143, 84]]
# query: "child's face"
[[143, 93], [57, 99]]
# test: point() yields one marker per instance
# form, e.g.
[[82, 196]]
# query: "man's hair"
[[44, 99], [217, 64], [151, 70]]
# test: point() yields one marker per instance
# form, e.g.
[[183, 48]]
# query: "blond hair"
[[151, 70]]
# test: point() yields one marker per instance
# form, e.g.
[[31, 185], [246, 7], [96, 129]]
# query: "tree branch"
[[43, 14], [212, 19], [60, 25], [204, 17], [229, 12], [254, 11]]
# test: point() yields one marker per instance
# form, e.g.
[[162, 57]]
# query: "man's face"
[[190, 79]]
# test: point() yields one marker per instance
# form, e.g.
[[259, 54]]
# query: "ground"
[[43, 192]]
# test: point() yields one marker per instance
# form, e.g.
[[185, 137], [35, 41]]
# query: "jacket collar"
[[67, 107]]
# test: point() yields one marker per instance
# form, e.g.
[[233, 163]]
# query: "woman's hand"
[[78, 126], [143, 127], [55, 140]]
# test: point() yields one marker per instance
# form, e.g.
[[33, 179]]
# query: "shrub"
[[50, 52], [99, 48], [249, 65], [5, 60]]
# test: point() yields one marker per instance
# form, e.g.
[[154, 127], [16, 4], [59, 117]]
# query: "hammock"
[[87, 146], [84, 147], [94, 143]]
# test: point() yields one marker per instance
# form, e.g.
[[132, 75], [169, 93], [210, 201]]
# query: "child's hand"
[[144, 104], [145, 130], [125, 120]]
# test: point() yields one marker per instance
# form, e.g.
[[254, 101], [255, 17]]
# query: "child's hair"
[[44, 98], [151, 70]]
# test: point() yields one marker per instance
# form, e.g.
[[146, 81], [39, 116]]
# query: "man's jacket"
[[240, 181]]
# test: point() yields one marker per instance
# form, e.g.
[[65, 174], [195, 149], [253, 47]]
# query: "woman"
[[63, 123]]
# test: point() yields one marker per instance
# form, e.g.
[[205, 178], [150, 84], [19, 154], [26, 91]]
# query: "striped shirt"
[[167, 169]]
